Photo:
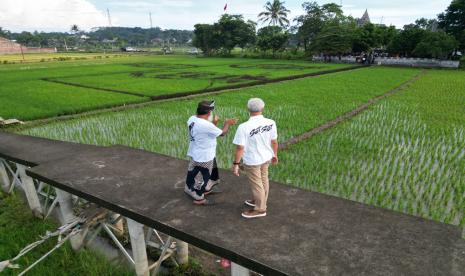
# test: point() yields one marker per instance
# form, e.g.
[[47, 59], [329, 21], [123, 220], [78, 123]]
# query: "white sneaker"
[[192, 194], [212, 184]]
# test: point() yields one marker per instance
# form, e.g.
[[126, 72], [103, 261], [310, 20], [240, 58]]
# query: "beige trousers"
[[258, 180]]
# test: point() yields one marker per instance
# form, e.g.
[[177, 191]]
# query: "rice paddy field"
[[41, 90], [405, 153]]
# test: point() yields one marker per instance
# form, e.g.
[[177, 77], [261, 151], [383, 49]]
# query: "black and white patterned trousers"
[[199, 173]]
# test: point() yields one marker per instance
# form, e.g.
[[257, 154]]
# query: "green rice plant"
[[29, 100], [162, 79], [296, 106], [405, 154], [24, 94]]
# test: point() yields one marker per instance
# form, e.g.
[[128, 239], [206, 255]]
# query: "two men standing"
[[256, 143]]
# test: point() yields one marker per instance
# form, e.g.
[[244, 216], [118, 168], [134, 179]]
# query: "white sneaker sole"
[[254, 216]]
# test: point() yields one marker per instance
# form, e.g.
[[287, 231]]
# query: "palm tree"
[[275, 13], [75, 29]]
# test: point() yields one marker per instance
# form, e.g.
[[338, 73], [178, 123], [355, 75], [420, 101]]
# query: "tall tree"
[[272, 38], [275, 13], [312, 22], [406, 40], [334, 39], [206, 38], [332, 11], [4, 33], [309, 24], [75, 29], [435, 45], [235, 32], [247, 34], [453, 21], [365, 38], [427, 24]]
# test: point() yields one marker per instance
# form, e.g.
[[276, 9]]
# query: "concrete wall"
[[10, 47], [418, 62], [31, 50], [408, 62]]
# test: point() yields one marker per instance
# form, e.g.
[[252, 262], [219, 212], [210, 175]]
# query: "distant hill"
[[103, 37], [140, 36]]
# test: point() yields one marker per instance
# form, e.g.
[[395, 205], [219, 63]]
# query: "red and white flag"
[[225, 7]]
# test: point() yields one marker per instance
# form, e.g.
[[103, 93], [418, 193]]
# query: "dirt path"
[[348, 115], [94, 88]]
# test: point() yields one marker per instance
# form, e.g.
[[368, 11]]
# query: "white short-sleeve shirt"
[[202, 139], [256, 135]]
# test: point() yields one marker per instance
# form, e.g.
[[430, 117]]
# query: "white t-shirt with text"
[[202, 139], [256, 135]]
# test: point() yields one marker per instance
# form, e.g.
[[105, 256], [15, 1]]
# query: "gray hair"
[[255, 105]]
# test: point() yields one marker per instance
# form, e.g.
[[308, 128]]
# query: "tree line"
[[101, 37], [324, 29]]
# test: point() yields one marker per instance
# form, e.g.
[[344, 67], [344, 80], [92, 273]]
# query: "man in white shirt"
[[256, 143], [202, 150]]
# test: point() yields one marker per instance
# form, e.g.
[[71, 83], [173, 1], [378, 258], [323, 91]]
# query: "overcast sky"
[[59, 15]]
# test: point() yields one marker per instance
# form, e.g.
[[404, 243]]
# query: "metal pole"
[[182, 252], [237, 270], [66, 209], [30, 191], [4, 179], [139, 252]]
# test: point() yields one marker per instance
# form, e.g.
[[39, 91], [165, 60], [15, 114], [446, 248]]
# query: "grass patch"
[[19, 228]]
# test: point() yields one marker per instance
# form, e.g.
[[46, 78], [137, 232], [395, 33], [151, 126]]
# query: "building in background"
[[365, 19]]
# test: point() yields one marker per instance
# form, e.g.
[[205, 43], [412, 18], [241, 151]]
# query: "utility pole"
[[66, 46], [22, 53], [109, 18], [150, 17]]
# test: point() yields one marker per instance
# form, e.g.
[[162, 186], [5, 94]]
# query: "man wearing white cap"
[[256, 143]]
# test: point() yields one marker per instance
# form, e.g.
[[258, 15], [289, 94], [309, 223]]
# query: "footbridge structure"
[[304, 232]]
